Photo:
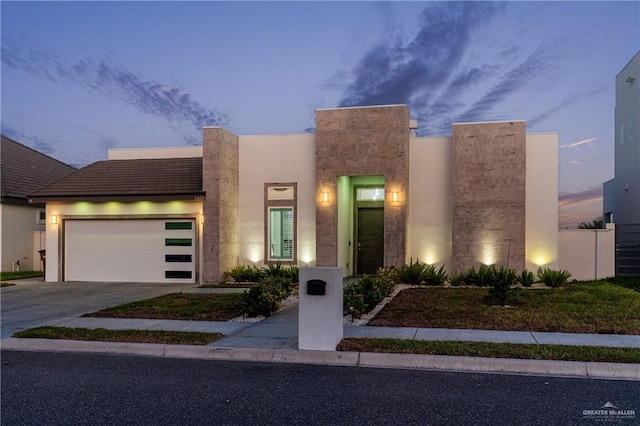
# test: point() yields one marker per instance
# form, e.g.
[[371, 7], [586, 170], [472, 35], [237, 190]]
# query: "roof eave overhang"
[[19, 201], [128, 198]]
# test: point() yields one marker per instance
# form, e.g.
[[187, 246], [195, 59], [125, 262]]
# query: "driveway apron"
[[34, 303]]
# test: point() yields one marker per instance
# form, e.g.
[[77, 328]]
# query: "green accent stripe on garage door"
[[177, 274], [178, 225], [178, 242]]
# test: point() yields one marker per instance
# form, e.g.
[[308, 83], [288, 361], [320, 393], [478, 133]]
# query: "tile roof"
[[24, 170], [179, 178]]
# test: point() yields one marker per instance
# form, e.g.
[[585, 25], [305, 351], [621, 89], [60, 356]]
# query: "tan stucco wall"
[[111, 210], [430, 201], [542, 201], [17, 227], [168, 152], [276, 159], [588, 254]]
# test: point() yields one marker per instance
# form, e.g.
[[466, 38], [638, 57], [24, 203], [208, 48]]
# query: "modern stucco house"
[[22, 224], [621, 200], [361, 192]]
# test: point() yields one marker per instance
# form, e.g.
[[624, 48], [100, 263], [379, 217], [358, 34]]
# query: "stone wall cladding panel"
[[220, 208], [489, 172], [354, 142]]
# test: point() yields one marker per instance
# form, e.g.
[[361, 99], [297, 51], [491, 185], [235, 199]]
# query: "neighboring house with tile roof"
[[361, 192], [22, 224]]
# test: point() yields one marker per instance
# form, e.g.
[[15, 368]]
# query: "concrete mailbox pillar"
[[320, 322]]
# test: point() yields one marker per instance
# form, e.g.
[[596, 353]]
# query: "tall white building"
[[621, 202]]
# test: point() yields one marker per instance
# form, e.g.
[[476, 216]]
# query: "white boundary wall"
[[589, 254]]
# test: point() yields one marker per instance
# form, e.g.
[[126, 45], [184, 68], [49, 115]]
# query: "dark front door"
[[370, 240]]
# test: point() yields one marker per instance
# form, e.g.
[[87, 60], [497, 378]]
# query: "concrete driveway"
[[32, 303]]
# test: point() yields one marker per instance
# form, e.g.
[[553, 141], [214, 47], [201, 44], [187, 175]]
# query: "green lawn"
[[493, 350], [587, 307], [7, 276], [179, 306], [127, 336]]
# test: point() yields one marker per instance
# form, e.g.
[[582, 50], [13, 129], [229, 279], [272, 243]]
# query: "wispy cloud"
[[393, 72], [571, 163], [578, 143], [568, 199], [104, 76], [35, 142], [441, 76], [578, 207]]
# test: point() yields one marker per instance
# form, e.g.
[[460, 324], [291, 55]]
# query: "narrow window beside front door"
[[281, 233]]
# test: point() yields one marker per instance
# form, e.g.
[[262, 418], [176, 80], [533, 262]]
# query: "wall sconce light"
[[201, 219], [394, 196], [54, 219], [325, 197]]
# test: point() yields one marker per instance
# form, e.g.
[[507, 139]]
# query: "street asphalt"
[[33, 303]]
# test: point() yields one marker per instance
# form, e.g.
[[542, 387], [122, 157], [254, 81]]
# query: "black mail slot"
[[316, 287]]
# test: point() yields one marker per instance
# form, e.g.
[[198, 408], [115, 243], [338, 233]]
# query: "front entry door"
[[370, 240]]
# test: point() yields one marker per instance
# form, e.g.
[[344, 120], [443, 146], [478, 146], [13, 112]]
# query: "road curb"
[[362, 359]]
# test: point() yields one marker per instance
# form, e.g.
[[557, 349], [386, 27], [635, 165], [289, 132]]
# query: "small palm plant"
[[526, 278], [554, 278], [503, 288], [483, 277], [413, 273]]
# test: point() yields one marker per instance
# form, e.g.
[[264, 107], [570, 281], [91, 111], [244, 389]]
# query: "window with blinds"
[[281, 233]]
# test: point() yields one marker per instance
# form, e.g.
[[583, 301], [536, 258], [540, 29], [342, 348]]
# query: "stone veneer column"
[[220, 181], [362, 141], [489, 178]]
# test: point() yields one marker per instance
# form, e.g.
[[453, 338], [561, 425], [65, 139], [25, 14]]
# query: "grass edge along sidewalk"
[[492, 350], [123, 336], [400, 346]]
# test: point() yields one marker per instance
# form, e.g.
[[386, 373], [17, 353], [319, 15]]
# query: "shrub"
[[457, 279], [262, 299], [483, 277], [353, 299], [276, 270], [293, 274], [436, 276], [526, 278], [390, 273], [245, 273], [502, 289], [553, 278], [265, 297], [363, 295], [413, 273], [273, 270]]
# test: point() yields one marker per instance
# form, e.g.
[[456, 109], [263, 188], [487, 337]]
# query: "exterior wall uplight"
[[54, 219], [325, 197], [394, 196]]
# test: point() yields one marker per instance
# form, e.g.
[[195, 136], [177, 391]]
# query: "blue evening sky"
[[81, 77]]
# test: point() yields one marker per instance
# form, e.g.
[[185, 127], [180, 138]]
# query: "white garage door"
[[130, 250]]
